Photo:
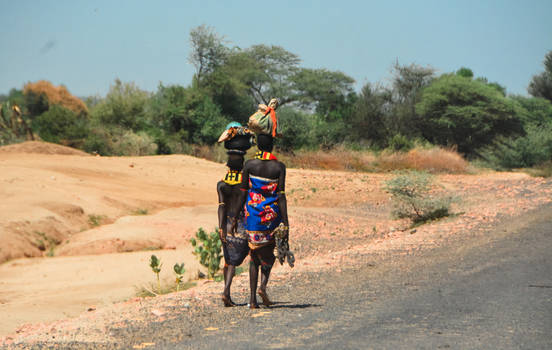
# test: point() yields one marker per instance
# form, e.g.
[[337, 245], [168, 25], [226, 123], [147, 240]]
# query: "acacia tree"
[[367, 122], [123, 106], [326, 90], [236, 79], [466, 113], [541, 84], [407, 84], [208, 51], [269, 73]]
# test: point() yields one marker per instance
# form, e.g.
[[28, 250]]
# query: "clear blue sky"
[[85, 45]]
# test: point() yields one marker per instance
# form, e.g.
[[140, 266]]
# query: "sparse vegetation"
[[208, 250], [95, 220], [46, 243], [543, 170], [155, 265], [155, 289], [149, 290], [179, 272], [413, 197], [432, 159], [140, 211]]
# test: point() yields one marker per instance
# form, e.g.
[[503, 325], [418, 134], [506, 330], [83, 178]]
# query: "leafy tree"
[[269, 73], [61, 125], [535, 111], [367, 121], [407, 84], [465, 72], [532, 149], [494, 85], [187, 112], [118, 141], [326, 90], [541, 84], [237, 79], [208, 52], [228, 88], [466, 113], [124, 105]]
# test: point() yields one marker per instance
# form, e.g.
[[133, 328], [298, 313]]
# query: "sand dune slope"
[[48, 198]]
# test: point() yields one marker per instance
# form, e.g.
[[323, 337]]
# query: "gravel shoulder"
[[489, 286]]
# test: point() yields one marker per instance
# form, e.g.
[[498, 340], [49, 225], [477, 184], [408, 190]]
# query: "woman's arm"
[[221, 212], [244, 187], [282, 201]]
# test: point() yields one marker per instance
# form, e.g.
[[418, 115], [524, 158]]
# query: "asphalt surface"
[[483, 292], [479, 291]]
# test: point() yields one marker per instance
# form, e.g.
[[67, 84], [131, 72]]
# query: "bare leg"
[[253, 277], [229, 271], [265, 274]]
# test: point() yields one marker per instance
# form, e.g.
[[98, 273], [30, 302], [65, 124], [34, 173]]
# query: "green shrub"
[[401, 143], [116, 141], [527, 151], [179, 272], [155, 265], [95, 220], [209, 252], [60, 124], [411, 197], [135, 144]]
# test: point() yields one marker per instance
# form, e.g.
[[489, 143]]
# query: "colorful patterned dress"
[[262, 214]]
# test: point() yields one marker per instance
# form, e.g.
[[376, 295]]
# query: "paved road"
[[484, 291], [490, 292]]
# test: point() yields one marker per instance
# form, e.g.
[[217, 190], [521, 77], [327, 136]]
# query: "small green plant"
[[400, 143], [411, 197], [46, 243], [313, 189], [155, 265], [239, 270], [209, 252], [179, 272], [95, 220], [50, 252], [150, 289], [140, 211]]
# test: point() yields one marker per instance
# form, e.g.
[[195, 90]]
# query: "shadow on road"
[[287, 305]]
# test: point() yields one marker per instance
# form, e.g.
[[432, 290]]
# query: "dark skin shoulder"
[[230, 195]]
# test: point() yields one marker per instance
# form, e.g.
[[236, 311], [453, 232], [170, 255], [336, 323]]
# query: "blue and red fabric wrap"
[[262, 213]]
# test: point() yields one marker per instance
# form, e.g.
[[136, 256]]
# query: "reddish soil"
[[85, 211]]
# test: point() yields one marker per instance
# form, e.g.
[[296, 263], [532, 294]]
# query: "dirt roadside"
[[333, 215], [169, 319]]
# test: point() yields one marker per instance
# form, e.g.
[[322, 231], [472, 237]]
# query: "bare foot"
[[264, 296], [227, 301], [253, 305]]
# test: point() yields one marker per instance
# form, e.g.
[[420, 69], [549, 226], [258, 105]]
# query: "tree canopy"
[[466, 113], [541, 84]]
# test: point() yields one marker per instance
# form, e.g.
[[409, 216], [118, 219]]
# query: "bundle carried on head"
[[264, 120], [237, 139]]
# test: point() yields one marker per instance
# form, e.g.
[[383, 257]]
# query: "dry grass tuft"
[[434, 160], [336, 159]]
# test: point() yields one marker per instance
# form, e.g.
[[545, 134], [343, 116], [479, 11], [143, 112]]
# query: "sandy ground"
[[75, 219]]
